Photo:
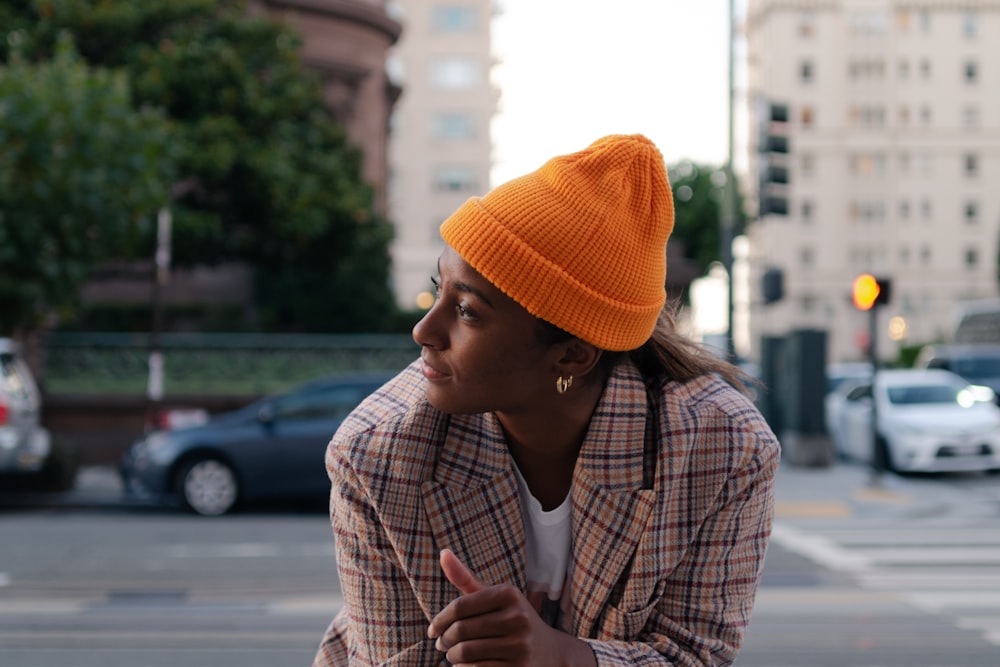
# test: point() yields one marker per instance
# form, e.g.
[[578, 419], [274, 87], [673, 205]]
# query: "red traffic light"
[[866, 291]]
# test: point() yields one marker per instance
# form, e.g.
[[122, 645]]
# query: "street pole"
[[154, 386], [727, 228], [878, 462]]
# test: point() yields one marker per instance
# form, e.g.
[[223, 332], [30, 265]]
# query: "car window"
[[326, 403], [922, 394], [859, 392]]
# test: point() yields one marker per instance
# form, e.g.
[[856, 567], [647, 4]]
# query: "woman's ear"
[[578, 358]]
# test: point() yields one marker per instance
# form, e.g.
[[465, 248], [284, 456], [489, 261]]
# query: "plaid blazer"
[[668, 538]]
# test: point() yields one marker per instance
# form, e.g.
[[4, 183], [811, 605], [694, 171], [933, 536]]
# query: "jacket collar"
[[472, 501]]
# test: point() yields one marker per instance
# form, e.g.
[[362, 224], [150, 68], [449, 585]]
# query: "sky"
[[571, 71]]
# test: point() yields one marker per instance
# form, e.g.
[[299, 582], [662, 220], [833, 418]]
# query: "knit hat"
[[579, 243]]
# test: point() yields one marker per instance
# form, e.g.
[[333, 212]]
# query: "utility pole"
[[728, 226], [154, 386]]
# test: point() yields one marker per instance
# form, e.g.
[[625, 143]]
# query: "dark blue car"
[[272, 449]]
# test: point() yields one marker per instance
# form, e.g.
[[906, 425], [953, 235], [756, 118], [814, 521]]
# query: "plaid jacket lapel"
[[611, 509], [472, 502]]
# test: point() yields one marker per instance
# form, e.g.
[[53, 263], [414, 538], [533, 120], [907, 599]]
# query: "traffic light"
[[870, 291], [773, 156]]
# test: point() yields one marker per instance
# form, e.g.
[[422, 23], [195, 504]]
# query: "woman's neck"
[[546, 442]]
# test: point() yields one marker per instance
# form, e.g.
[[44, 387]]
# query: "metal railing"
[[251, 364]]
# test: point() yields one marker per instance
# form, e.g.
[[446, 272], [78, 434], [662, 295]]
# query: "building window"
[[970, 116], [455, 73], [903, 20], [969, 24], [454, 18], [925, 20], [806, 257], [904, 254], [971, 212], [904, 69], [971, 71], [806, 116], [807, 164], [925, 254], [971, 258], [971, 165], [925, 69], [455, 179], [925, 115], [807, 24], [904, 116], [926, 164], [806, 211], [453, 126], [806, 73], [926, 209], [904, 210]]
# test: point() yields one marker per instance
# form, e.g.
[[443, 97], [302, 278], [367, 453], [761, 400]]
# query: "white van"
[[24, 444]]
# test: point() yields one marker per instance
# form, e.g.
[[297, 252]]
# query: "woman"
[[561, 479]]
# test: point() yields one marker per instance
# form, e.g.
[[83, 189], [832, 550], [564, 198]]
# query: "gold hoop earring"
[[563, 384]]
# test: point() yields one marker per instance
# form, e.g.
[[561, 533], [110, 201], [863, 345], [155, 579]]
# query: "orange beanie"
[[581, 242]]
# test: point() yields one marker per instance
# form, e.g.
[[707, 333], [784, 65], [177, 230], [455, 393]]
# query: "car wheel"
[[208, 487]]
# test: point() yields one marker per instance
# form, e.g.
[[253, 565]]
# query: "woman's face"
[[481, 351]]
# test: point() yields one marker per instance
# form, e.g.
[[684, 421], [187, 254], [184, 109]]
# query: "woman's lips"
[[430, 372]]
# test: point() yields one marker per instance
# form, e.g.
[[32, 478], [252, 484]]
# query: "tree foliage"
[[264, 174], [81, 171], [699, 192]]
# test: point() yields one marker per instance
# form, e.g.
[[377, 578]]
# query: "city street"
[[903, 573]]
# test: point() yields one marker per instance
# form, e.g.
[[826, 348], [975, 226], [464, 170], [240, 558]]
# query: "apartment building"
[[875, 137], [440, 145]]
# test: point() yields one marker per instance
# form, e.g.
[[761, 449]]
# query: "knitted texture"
[[581, 242]]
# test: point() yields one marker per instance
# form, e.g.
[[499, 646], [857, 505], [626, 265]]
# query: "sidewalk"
[[850, 490]]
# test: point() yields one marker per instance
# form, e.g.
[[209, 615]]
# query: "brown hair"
[[667, 354]]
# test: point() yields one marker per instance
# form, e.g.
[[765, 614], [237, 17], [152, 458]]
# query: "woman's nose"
[[427, 332]]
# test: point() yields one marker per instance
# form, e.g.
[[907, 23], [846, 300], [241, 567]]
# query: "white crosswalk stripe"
[[952, 572]]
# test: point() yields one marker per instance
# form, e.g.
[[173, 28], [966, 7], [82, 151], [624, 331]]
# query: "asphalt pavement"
[[840, 490]]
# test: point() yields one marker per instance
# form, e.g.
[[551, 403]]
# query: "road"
[[906, 573]]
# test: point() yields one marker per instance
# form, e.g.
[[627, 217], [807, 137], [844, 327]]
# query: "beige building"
[[891, 111], [440, 146]]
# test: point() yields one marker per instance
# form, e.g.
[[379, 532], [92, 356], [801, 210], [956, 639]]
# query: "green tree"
[[265, 175], [699, 192], [81, 173]]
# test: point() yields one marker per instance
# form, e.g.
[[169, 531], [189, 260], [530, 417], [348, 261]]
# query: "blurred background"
[[208, 206]]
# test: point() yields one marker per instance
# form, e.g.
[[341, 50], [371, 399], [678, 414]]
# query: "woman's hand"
[[494, 625]]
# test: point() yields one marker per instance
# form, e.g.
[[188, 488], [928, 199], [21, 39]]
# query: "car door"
[[298, 431], [856, 423]]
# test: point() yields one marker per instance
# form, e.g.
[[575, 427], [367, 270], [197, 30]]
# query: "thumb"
[[458, 574]]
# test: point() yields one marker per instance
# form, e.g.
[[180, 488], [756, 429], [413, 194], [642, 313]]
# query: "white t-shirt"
[[549, 539]]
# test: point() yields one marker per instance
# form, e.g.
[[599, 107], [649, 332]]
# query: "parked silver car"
[[24, 444]]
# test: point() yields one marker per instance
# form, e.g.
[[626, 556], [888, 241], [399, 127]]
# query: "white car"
[[24, 443], [929, 420], [840, 379]]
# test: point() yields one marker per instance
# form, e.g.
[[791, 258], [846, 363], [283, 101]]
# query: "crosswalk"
[[952, 571]]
